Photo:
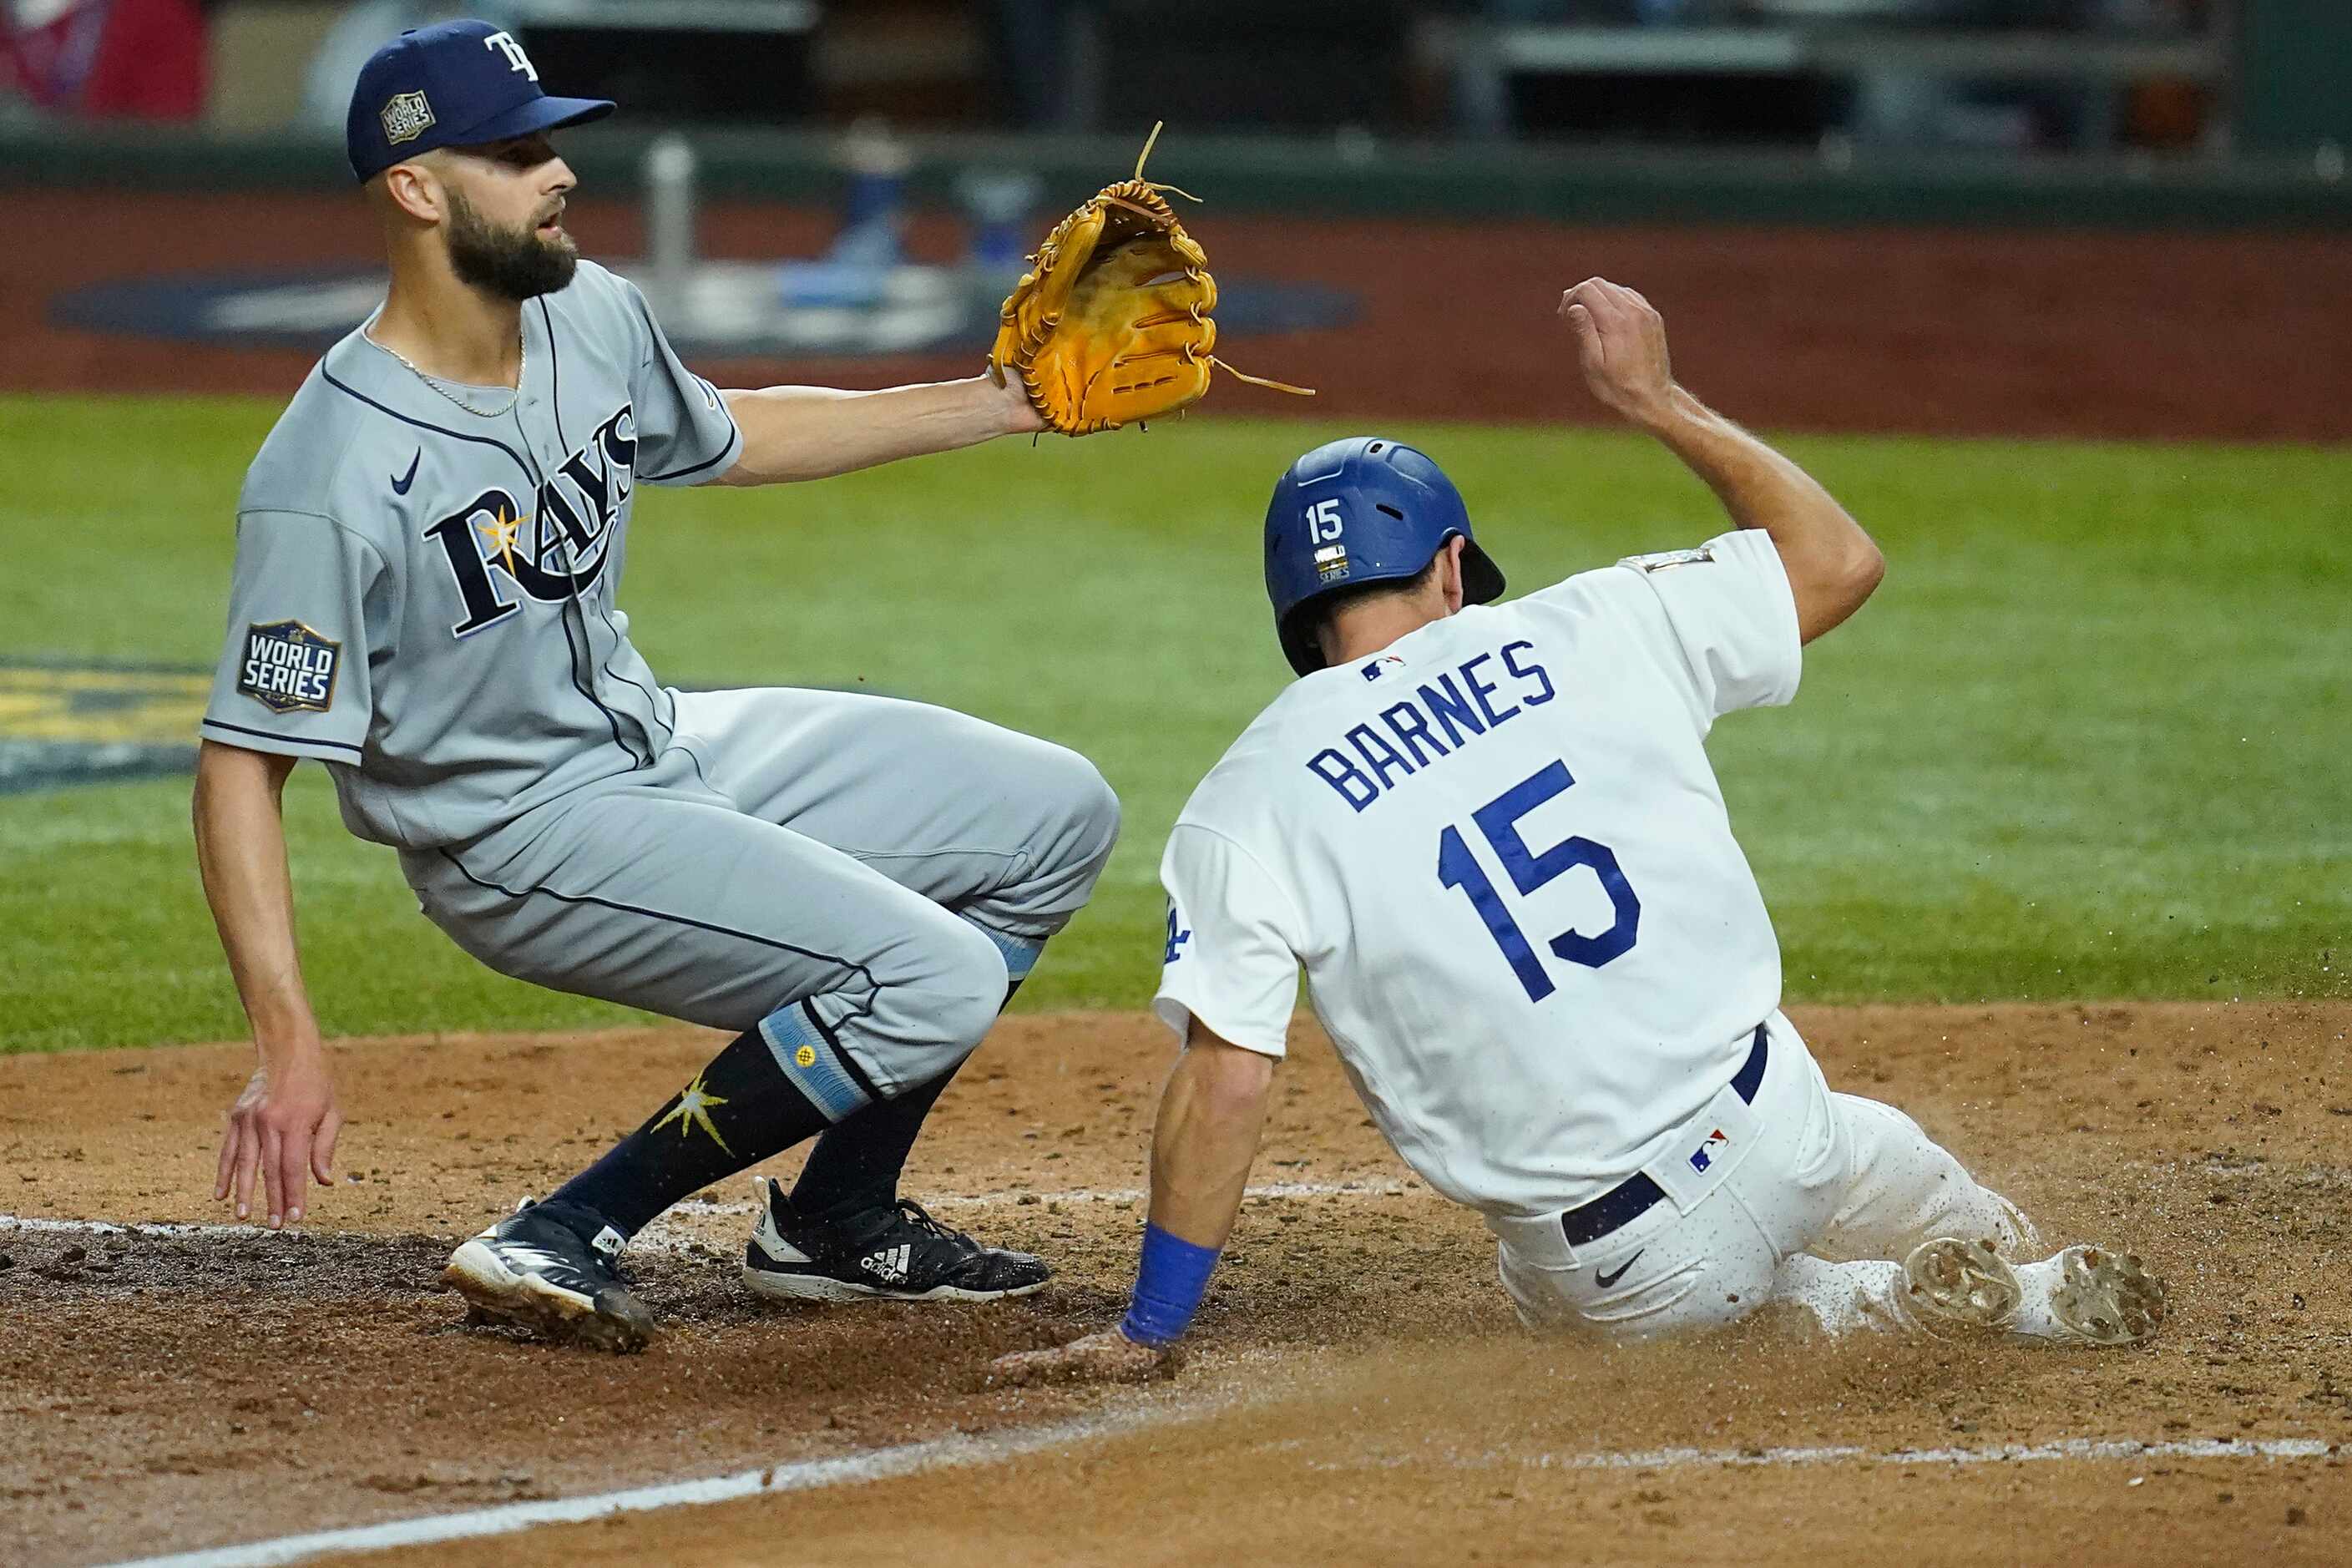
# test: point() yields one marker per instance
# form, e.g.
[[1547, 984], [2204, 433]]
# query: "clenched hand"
[[1620, 342]]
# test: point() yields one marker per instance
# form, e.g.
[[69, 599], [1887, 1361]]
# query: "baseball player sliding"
[[1491, 836], [429, 548]]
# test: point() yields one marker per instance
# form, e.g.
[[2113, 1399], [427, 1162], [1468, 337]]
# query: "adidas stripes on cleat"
[[898, 1253]]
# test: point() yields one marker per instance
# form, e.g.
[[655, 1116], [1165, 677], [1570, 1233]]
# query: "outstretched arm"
[[285, 1122], [815, 432], [1212, 1115], [1832, 564]]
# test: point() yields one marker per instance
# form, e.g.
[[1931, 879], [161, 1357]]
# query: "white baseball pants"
[[1826, 1194]]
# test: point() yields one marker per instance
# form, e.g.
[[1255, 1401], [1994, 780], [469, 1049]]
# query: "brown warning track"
[[1373, 1399], [1939, 331]]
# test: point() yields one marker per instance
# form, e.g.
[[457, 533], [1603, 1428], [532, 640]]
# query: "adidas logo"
[[889, 1265]]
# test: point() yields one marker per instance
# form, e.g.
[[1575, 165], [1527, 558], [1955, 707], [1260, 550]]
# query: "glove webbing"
[[1155, 187]]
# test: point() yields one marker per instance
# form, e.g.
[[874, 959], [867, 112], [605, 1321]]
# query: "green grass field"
[[2089, 739]]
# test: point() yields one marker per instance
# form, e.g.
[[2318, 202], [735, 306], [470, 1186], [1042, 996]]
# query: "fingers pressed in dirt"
[[1106, 1356], [246, 1142], [273, 1181]]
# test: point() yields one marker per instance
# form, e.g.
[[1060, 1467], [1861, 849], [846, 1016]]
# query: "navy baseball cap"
[[457, 84]]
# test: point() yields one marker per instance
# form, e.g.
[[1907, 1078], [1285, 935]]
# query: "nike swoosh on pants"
[[1606, 1280]]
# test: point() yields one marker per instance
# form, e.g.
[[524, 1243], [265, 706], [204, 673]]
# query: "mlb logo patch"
[[1382, 665], [1705, 1154], [407, 117], [288, 667]]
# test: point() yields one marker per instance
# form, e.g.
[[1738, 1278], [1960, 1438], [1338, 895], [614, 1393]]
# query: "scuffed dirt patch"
[[172, 1390]]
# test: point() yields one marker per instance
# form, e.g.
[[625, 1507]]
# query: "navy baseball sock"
[[737, 1111], [857, 1165]]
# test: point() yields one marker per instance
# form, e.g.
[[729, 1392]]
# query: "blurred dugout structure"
[[2087, 74], [2204, 75]]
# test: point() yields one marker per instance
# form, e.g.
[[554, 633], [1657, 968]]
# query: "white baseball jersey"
[[1500, 853]]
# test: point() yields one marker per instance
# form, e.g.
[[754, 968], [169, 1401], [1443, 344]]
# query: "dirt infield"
[[1360, 1391], [1946, 332]]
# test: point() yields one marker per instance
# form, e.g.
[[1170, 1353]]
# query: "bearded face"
[[519, 263]]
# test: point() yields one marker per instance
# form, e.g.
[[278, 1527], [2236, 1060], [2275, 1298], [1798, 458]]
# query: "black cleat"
[[533, 1270], [894, 1254]]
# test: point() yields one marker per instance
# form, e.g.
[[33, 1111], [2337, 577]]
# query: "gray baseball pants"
[[856, 877]]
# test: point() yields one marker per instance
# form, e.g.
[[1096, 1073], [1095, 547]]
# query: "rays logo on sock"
[[288, 667], [888, 1265], [692, 1108], [1703, 1156]]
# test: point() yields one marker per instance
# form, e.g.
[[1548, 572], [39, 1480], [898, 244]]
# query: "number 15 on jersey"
[[1498, 822]]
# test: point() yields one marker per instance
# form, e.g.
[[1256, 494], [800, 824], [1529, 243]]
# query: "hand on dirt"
[[1107, 1356], [1621, 340], [284, 1126]]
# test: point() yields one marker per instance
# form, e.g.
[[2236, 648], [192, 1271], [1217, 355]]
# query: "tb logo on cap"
[[516, 58]]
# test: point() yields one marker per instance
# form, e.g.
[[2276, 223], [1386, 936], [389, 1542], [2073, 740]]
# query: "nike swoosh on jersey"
[[400, 486], [1606, 1280]]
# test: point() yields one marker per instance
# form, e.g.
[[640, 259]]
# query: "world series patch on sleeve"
[[288, 667]]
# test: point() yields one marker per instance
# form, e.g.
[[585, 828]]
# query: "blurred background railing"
[[1686, 94]]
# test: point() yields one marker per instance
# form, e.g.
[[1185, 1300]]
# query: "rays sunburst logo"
[[692, 1111]]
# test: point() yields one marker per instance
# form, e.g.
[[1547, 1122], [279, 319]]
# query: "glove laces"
[[1155, 187]]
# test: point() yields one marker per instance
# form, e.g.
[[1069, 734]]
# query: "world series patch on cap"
[[459, 84], [407, 117], [288, 667]]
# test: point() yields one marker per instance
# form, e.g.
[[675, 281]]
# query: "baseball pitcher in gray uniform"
[[429, 549]]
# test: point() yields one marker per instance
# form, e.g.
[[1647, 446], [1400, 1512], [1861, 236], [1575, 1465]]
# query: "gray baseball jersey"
[[424, 601], [423, 597]]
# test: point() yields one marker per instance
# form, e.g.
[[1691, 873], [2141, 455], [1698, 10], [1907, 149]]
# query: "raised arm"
[[814, 432], [1212, 1115], [1832, 564], [284, 1123]]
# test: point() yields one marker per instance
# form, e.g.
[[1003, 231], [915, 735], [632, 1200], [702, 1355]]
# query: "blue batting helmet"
[[1365, 510]]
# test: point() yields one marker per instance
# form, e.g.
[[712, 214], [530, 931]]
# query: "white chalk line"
[[807, 1475], [656, 1240], [2078, 1448], [964, 1452], [1379, 1189]]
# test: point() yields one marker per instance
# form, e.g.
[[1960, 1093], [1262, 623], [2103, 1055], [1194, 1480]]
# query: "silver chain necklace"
[[523, 368]]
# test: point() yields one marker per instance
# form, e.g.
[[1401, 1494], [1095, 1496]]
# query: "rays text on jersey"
[[551, 549]]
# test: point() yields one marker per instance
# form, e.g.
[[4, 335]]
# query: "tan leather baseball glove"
[[1111, 324]]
